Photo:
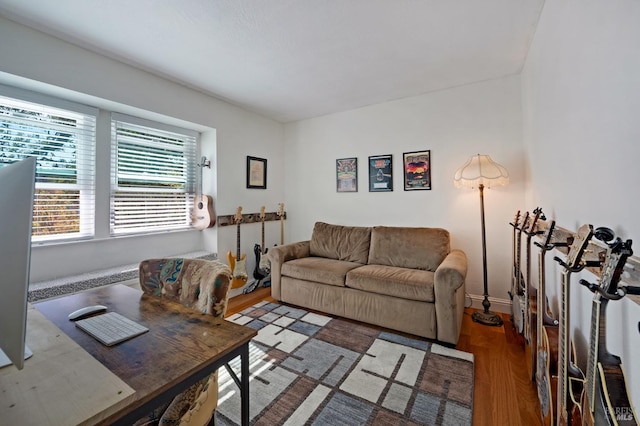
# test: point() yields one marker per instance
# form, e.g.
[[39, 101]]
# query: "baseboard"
[[497, 305]]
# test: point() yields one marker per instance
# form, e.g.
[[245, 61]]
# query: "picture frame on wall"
[[256, 172], [417, 170], [381, 173], [347, 174]]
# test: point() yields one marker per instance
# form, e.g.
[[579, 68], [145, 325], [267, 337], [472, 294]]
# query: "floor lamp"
[[481, 171]]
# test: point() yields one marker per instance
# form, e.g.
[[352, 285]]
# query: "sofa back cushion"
[[415, 248], [348, 243]]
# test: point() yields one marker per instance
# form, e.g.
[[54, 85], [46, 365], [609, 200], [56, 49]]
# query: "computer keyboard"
[[111, 328]]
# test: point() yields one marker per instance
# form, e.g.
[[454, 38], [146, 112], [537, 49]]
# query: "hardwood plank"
[[243, 301], [503, 393]]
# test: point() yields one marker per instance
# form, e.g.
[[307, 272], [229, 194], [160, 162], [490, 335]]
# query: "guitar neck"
[[563, 353], [513, 244], [282, 230], [544, 246], [200, 185], [518, 260], [542, 305], [263, 247], [597, 328], [238, 241], [542, 284], [528, 269]]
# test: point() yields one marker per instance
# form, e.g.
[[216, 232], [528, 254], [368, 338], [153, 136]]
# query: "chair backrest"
[[199, 284]]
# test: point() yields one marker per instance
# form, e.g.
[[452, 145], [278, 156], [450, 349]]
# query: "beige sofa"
[[406, 279]]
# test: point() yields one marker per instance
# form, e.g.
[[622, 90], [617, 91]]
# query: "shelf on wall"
[[229, 219]]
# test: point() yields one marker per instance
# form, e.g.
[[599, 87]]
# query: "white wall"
[[581, 98], [454, 124], [33, 60]]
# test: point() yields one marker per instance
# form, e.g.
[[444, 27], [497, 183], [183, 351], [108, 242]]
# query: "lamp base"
[[487, 318]]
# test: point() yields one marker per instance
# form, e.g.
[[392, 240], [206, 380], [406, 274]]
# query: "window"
[[152, 176], [63, 142]]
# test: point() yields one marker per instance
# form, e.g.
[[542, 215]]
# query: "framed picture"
[[417, 170], [380, 173], [256, 172], [347, 175]]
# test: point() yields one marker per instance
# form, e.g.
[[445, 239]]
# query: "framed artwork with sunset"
[[417, 170]]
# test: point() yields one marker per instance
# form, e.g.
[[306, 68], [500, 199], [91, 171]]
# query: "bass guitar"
[[517, 295], [203, 215], [261, 270], [237, 263], [547, 336], [605, 400], [531, 300], [570, 377]]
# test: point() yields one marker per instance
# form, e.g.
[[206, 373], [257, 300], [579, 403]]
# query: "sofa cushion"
[[412, 284], [318, 269], [414, 248], [348, 243]]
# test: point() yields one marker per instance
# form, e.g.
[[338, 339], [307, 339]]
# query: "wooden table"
[[181, 347]]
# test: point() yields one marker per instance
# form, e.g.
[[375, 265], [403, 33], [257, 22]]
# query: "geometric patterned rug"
[[308, 368]]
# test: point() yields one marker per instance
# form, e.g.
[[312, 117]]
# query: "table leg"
[[244, 384]]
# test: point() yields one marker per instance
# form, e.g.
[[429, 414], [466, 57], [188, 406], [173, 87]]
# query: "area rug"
[[313, 369]]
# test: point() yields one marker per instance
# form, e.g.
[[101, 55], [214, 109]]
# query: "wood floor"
[[503, 394]]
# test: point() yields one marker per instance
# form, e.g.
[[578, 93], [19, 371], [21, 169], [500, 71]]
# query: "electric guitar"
[[605, 400], [203, 215], [237, 262], [517, 295], [570, 377], [280, 214], [262, 262], [547, 337], [531, 301]]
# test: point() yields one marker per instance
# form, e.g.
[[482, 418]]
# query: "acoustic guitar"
[[547, 336], [605, 400], [263, 266], [203, 216], [531, 301], [237, 263], [570, 377], [517, 295]]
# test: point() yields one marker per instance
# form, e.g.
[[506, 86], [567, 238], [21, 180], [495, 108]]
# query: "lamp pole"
[[486, 317]]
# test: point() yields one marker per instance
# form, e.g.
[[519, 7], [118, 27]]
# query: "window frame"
[[119, 193], [85, 156]]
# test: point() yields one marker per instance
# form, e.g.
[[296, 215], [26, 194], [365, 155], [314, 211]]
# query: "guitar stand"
[[265, 282]]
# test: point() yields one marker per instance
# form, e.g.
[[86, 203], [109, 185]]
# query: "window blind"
[[63, 142], [152, 176]]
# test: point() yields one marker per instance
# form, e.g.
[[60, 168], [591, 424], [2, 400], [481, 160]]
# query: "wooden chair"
[[202, 285]]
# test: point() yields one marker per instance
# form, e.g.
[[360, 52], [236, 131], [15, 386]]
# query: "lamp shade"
[[480, 169]]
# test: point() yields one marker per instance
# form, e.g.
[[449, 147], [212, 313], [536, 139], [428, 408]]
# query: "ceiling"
[[297, 59]]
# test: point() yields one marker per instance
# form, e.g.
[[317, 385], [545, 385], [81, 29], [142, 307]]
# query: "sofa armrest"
[[449, 291], [280, 254]]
